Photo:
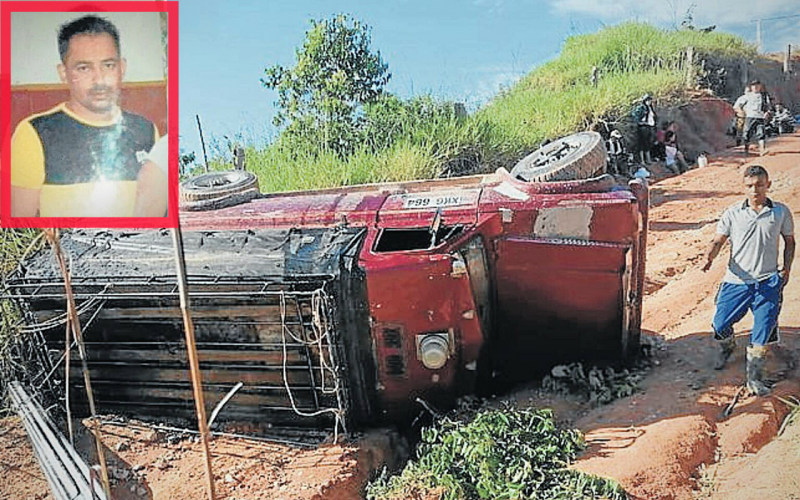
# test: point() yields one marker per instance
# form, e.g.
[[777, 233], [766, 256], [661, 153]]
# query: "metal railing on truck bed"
[[278, 334]]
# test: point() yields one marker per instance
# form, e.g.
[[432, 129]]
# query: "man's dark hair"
[[755, 82], [756, 171], [86, 25]]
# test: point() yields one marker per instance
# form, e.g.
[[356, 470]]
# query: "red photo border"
[[6, 8]]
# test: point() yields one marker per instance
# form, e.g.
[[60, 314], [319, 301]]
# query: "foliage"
[[335, 74], [596, 386], [557, 98], [14, 244], [503, 453]]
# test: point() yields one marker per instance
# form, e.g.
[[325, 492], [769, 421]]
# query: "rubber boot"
[[725, 350], [756, 359], [762, 149]]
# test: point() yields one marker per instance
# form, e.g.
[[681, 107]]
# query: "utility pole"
[[758, 35], [759, 45]]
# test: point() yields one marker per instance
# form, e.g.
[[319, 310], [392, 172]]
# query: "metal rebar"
[[191, 348]]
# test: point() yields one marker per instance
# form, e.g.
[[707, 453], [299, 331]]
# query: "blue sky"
[[459, 50]]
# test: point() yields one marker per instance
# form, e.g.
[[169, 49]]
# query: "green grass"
[[504, 453], [553, 100]]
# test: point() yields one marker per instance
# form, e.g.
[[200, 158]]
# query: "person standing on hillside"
[[645, 117], [83, 157], [756, 106], [753, 280]]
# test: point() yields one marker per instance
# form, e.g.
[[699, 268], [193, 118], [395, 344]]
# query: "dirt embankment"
[[703, 121]]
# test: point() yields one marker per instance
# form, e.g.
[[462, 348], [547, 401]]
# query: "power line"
[[774, 18]]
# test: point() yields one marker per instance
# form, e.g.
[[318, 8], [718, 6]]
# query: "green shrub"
[[503, 453], [13, 245]]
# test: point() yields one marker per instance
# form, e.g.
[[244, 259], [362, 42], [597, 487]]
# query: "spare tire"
[[218, 190], [574, 157]]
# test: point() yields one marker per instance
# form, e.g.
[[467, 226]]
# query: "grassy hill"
[[427, 138]]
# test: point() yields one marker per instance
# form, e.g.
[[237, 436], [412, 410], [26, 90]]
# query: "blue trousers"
[[762, 298]]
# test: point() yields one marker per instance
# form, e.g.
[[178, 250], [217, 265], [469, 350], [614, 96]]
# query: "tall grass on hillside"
[[631, 48], [423, 137], [632, 58]]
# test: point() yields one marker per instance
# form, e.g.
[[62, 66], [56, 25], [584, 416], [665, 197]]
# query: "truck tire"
[[574, 157], [218, 190]]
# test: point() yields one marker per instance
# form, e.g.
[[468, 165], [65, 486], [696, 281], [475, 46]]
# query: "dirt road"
[[668, 441]]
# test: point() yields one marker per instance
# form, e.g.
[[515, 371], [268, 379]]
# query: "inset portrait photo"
[[88, 125]]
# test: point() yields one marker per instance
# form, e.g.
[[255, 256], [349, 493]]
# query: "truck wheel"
[[218, 190], [577, 156]]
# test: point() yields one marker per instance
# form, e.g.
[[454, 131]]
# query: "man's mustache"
[[101, 89]]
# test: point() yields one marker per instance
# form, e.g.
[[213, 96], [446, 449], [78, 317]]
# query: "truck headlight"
[[433, 349]]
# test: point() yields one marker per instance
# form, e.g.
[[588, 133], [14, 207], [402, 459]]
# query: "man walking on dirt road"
[[755, 106], [753, 280]]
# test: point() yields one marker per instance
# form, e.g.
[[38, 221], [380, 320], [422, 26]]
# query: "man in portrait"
[[86, 157]]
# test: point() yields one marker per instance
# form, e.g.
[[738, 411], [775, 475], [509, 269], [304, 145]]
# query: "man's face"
[[93, 71], [756, 189]]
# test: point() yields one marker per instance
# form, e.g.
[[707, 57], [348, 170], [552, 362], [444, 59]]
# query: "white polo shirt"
[[754, 239]]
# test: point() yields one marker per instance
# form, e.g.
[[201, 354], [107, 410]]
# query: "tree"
[[335, 74]]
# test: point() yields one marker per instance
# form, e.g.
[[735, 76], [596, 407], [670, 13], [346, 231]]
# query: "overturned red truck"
[[357, 302]]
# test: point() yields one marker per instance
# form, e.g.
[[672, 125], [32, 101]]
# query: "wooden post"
[[67, 355], [74, 321], [238, 158], [690, 67], [191, 349], [743, 71], [787, 60]]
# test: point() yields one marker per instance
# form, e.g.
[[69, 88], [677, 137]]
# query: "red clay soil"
[[149, 464], [20, 476], [657, 443], [146, 463], [654, 442]]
